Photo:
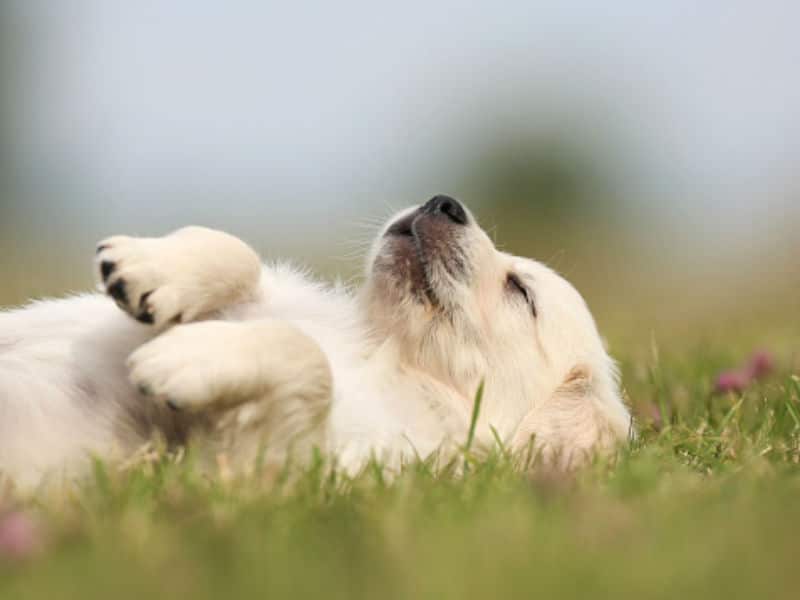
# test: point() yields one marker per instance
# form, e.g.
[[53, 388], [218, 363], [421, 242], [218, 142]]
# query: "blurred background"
[[648, 152]]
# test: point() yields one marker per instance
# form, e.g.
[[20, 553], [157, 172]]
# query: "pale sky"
[[164, 111]]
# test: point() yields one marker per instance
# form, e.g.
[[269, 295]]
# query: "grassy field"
[[705, 504]]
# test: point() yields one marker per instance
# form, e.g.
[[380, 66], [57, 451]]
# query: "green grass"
[[706, 503]]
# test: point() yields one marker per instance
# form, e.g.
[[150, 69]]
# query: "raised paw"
[[137, 275], [178, 278]]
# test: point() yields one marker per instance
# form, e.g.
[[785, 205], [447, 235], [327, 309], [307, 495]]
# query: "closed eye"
[[515, 286]]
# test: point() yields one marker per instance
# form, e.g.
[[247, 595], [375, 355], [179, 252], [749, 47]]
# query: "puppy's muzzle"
[[444, 208]]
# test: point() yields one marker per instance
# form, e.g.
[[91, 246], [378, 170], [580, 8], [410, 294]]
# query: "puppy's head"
[[462, 311]]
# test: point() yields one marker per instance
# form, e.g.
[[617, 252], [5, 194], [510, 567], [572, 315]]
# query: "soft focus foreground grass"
[[706, 503]]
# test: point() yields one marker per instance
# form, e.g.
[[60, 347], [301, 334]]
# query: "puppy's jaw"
[[422, 291], [400, 271], [422, 257]]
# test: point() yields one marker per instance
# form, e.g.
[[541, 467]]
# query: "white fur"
[[265, 358]]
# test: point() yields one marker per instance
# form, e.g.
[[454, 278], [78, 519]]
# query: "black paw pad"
[[143, 300], [106, 269], [146, 318], [117, 291], [144, 314]]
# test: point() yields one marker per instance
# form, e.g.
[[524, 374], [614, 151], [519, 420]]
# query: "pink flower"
[[20, 536], [761, 364], [732, 381]]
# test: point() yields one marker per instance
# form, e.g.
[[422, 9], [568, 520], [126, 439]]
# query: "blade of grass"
[[727, 418], [476, 411], [794, 381], [793, 412], [498, 440]]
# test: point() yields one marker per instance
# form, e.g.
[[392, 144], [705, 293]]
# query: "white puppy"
[[258, 361]]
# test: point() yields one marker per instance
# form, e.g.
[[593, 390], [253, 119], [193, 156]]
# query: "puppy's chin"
[[419, 260], [399, 273]]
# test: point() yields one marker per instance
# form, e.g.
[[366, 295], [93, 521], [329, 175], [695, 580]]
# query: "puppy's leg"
[[186, 275], [217, 366]]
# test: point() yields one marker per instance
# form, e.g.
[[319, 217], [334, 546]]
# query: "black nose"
[[445, 205]]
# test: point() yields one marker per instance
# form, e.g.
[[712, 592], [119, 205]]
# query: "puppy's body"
[[262, 359], [65, 395]]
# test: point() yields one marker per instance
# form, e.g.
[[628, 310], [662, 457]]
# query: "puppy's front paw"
[[141, 278], [190, 367]]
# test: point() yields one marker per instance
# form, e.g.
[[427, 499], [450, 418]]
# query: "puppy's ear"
[[577, 382], [573, 424]]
